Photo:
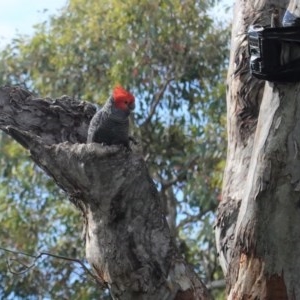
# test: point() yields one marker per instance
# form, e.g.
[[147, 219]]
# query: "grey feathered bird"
[[110, 125]]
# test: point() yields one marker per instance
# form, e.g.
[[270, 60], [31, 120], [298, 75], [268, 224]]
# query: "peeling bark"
[[258, 224], [128, 242]]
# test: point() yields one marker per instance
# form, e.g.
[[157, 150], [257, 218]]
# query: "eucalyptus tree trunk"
[[258, 222], [128, 242]]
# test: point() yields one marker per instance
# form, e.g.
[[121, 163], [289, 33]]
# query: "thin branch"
[[19, 262], [217, 284], [27, 268], [182, 173], [156, 100], [17, 252], [192, 218], [36, 257]]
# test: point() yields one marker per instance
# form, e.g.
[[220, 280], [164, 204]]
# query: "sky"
[[19, 16]]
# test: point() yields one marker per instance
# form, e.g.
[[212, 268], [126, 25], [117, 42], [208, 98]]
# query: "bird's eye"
[[126, 102]]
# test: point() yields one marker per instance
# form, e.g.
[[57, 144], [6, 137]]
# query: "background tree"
[[258, 223], [178, 81]]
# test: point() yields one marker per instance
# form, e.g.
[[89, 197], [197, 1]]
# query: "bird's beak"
[[131, 106]]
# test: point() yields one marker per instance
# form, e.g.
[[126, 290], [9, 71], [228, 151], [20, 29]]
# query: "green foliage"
[[173, 58], [36, 217]]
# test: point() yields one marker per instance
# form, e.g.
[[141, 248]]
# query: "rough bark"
[[128, 242], [258, 224]]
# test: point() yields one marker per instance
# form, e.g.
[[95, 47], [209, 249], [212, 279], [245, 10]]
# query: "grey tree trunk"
[[258, 223], [128, 242]]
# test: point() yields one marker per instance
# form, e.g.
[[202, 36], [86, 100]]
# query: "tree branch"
[[167, 183], [156, 99], [55, 121], [217, 284], [40, 255], [128, 242]]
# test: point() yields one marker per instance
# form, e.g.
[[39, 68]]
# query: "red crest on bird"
[[119, 93], [123, 99]]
